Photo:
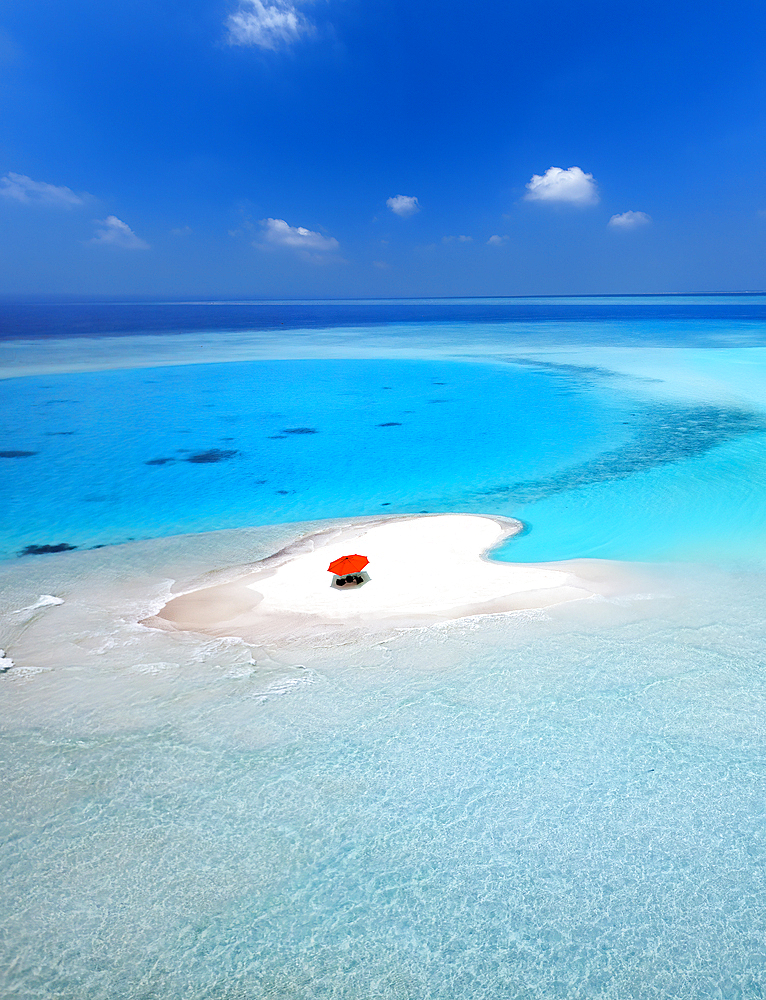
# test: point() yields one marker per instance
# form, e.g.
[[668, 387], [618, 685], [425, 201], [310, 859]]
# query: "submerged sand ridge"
[[422, 569]]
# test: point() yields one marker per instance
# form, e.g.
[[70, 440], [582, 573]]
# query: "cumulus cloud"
[[629, 220], [21, 188], [457, 239], [403, 205], [556, 185], [269, 26], [116, 233], [278, 233], [497, 241]]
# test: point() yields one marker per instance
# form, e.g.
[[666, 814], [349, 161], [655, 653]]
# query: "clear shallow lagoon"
[[149, 452], [569, 803], [581, 429]]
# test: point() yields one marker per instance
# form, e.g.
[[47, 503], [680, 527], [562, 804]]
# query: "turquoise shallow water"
[[569, 803], [147, 452], [584, 455]]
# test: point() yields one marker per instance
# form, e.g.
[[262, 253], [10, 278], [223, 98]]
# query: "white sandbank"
[[422, 569]]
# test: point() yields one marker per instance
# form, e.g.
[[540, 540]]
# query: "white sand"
[[421, 569], [427, 565]]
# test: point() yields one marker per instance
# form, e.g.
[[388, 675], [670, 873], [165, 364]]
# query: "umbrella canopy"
[[347, 564]]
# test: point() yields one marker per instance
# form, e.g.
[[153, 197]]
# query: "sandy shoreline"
[[422, 569]]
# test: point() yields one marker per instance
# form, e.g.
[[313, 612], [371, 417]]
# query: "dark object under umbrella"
[[346, 570]]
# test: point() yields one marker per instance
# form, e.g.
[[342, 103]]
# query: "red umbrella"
[[347, 564]]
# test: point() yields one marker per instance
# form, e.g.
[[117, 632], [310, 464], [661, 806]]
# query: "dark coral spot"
[[16, 454], [283, 493], [300, 430], [159, 461], [391, 423], [214, 455], [41, 550]]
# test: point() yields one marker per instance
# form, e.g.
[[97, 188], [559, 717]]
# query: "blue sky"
[[269, 148]]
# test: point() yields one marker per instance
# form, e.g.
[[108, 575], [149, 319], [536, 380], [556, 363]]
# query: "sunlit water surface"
[[568, 803]]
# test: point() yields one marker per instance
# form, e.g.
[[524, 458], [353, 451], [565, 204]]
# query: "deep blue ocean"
[[67, 317], [568, 803]]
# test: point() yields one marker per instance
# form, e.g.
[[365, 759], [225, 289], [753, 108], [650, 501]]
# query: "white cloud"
[[29, 192], [116, 233], [629, 220], [497, 241], [571, 186], [267, 26], [403, 205], [277, 232], [457, 239]]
